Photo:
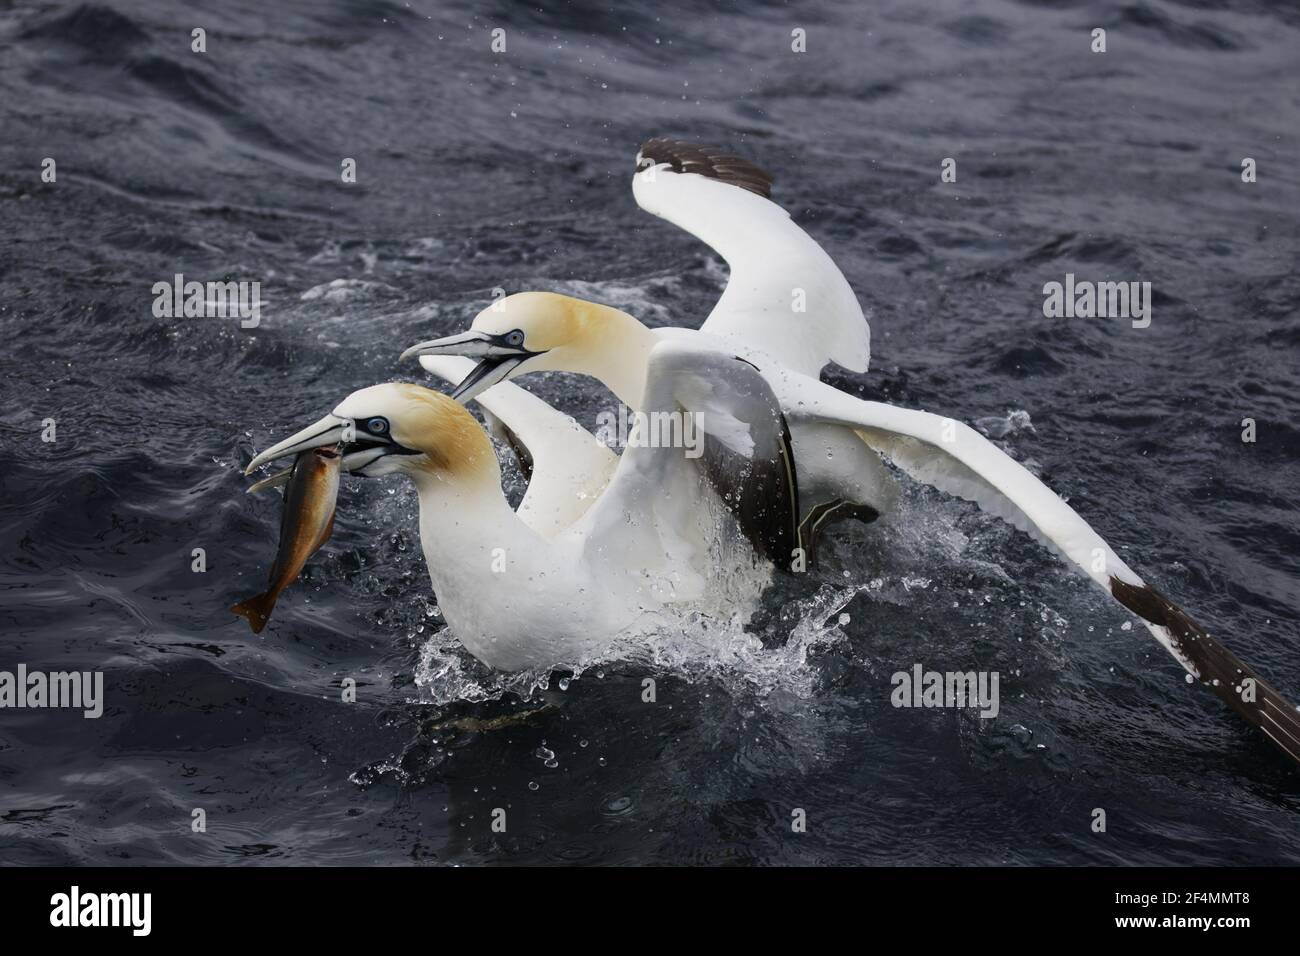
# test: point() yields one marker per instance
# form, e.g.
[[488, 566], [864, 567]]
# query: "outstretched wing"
[[957, 459], [785, 296], [566, 465]]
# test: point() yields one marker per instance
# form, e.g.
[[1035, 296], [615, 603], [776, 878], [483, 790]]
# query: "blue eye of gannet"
[[515, 338], [377, 426]]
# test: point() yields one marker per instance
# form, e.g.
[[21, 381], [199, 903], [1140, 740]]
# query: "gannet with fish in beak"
[[517, 597], [837, 441], [566, 466]]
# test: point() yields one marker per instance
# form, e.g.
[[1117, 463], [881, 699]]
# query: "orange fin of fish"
[[257, 610]]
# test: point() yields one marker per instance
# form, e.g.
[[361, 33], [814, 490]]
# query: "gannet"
[[785, 299], [837, 441], [657, 535]]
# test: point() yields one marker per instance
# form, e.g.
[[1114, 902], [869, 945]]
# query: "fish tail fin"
[[257, 610]]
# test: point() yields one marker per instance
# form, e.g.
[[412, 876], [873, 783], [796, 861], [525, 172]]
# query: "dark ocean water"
[[478, 170]]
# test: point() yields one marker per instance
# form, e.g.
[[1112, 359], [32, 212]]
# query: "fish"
[[305, 524], [478, 725]]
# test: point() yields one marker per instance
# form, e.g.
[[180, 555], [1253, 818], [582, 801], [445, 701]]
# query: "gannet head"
[[526, 332], [395, 427]]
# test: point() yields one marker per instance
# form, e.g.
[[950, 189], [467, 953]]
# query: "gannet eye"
[[515, 338], [377, 426]]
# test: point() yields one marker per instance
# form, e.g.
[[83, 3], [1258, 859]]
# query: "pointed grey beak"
[[281, 477], [498, 359], [352, 461], [330, 430], [470, 344], [485, 374]]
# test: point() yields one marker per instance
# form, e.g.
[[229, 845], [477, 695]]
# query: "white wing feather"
[[955, 458], [775, 266]]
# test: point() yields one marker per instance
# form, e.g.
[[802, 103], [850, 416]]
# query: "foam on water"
[[691, 644], [720, 643]]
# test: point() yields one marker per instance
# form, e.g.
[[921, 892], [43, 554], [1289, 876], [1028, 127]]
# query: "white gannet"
[[837, 440], [657, 535], [785, 300]]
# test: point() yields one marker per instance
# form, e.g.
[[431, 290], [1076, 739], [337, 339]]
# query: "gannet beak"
[[471, 344], [281, 477], [498, 359], [353, 461], [361, 448], [330, 430], [484, 375]]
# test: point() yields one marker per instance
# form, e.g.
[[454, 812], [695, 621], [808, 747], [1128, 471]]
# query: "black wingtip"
[[710, 161], [1226, 675]]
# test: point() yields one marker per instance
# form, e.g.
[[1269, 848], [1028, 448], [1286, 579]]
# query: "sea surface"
[[479, 170]]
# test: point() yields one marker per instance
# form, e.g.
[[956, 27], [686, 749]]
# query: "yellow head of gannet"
[[399, 427], [549, 332]]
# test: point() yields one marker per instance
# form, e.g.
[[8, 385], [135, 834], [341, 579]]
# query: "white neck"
[[617, 355], [496, 580], [461, 522]]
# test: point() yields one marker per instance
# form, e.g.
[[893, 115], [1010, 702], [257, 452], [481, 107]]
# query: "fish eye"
[[377, 426], [515, 338]]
